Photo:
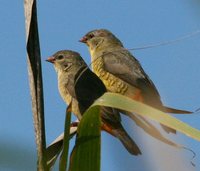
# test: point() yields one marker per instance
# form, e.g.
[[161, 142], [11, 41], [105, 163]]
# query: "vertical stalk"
[[35, 80]]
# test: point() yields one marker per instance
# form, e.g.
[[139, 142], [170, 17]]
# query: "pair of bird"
[[115, 70]]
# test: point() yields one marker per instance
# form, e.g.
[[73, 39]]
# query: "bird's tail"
[[127, 141], [176, 111]]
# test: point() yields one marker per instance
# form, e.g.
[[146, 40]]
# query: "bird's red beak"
[[51, 59], [83, 39]]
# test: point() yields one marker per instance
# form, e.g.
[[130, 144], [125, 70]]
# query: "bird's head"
[[66, 61], [98, 37]]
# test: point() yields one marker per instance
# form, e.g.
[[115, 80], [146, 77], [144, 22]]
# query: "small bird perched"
[[121, 72], [70, 68]]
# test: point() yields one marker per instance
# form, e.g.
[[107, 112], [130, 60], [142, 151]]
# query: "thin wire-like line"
[[187, 36], [194, 155]]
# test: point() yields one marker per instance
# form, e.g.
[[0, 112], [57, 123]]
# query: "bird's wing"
[[88, 88], [122, 64]]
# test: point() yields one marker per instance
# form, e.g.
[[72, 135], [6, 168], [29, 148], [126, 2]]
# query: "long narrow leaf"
[[150, 129], [54, 149], [86, 153], [35, 80], [64, 155], [125, 103]]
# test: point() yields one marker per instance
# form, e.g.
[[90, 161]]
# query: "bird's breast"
[[62, 86], [64, 93], [115, 84], [111, 82]]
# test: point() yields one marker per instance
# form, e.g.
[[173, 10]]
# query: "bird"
[[77, 82], [121, 72]]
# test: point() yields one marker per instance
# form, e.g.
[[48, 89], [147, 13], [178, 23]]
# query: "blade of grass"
[[150, 129], [54, 149], [64, 155], [86, 153], [125, 103], [35, 80]]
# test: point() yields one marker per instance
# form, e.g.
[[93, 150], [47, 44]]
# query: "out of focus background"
[[173, 68]]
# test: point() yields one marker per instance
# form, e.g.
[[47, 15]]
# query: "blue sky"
[[174, 69]]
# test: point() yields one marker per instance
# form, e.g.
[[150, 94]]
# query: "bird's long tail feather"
[[127, 141], [176, 111]]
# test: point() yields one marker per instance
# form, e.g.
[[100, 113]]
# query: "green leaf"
[[150, 129], [125, 103], [64, 155], [53, 152], [86, 153], [54, 149]]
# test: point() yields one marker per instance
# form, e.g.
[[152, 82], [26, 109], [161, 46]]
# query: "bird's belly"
[[67, 99]]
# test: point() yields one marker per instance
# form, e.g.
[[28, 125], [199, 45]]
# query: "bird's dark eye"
[[59, 57], [91, 36]]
